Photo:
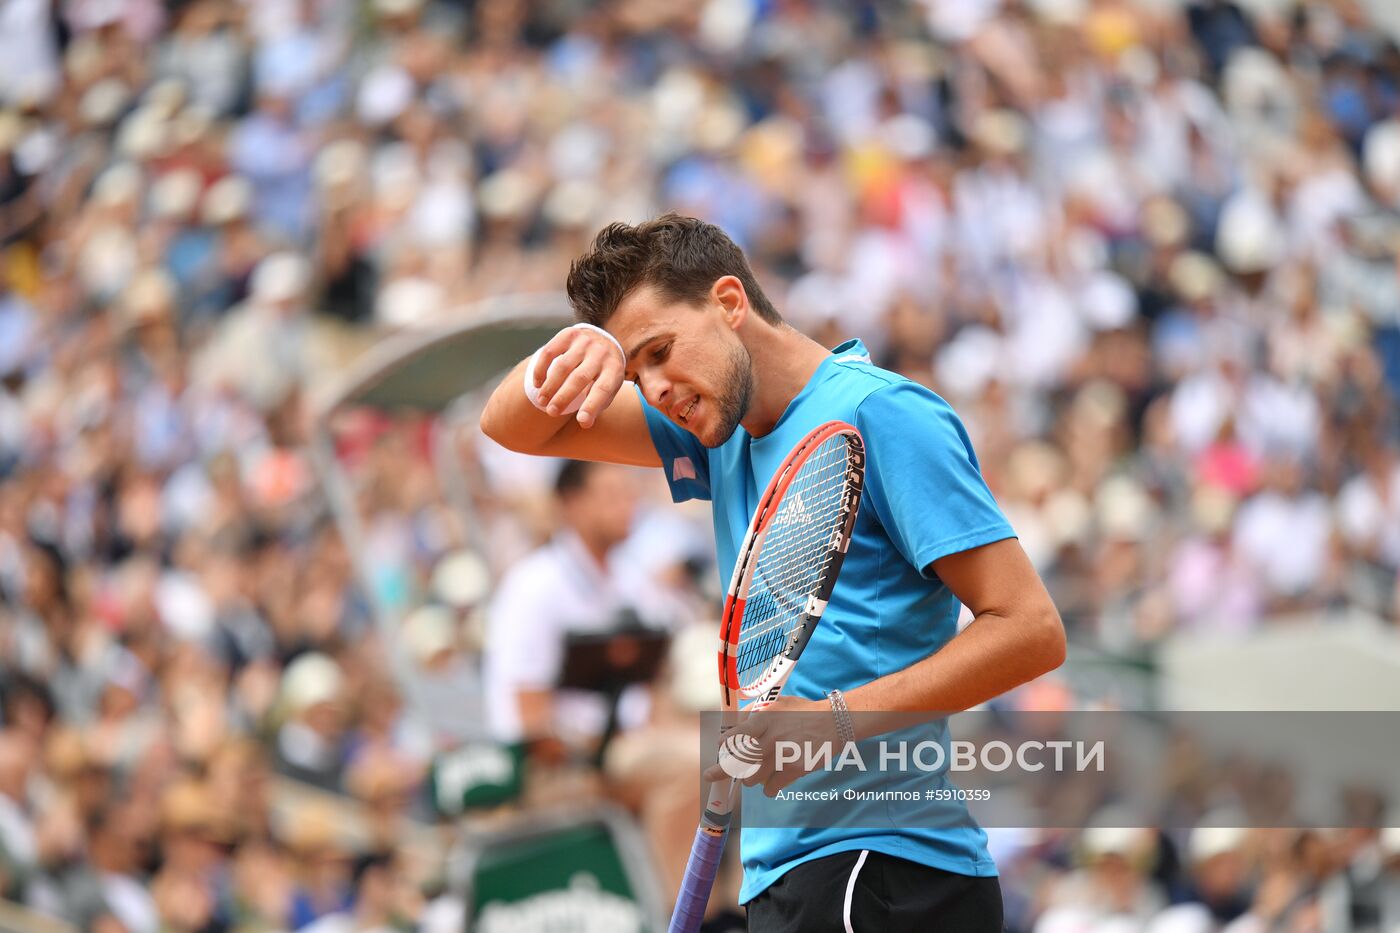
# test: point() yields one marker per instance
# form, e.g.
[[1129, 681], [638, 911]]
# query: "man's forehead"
[[640, 309]]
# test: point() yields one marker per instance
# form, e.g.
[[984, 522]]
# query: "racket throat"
[[770, 683]]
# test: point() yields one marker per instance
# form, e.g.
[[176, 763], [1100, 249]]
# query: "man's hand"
[[579, 369], [780, 722]]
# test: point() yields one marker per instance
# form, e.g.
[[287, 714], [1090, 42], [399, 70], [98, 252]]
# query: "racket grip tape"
[[700, 873]]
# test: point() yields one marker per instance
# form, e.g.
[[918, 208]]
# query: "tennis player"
[[723, 388]]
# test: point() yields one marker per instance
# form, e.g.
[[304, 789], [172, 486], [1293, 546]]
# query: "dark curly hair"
[[681, 257]]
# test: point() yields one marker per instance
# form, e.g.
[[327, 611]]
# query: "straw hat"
[[310, 680], [227, 200], [279, 278], [175, 194]]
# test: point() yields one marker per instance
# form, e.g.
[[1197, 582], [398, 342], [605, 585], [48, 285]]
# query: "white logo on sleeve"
[[682, 468]]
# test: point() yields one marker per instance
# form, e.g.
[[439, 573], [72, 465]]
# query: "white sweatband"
[[532, 391]]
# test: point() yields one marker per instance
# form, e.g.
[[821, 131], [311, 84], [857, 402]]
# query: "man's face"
[[688, 362], [603, 509]]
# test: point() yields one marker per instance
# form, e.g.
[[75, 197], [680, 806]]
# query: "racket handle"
[[700, 873]]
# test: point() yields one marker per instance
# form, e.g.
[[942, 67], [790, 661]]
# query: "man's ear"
[[733, 301]]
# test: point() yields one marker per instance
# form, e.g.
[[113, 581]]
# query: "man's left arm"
[[926, 489], [1015, 636]]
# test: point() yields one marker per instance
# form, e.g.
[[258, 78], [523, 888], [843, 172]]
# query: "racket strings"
[[817, 498], [775, 604], [775, 609], [821, 495], [793, 562], [809, 503]]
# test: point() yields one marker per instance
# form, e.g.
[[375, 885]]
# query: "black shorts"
[[870, 892]]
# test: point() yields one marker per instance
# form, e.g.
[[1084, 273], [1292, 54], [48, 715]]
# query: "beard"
[[733, 405]]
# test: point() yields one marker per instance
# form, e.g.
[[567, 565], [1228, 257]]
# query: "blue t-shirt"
[[924, 499]]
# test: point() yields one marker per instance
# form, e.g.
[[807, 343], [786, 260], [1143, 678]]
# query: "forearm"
[[536, 706], [994, 654], [511, 420]]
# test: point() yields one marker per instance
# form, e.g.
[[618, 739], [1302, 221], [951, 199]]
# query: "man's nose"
[[656, 389]]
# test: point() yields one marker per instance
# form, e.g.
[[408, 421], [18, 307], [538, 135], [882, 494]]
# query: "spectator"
[[1113, 884], [378, 899], [575, 584], [18, 854], [1220, 872], [310, 742]]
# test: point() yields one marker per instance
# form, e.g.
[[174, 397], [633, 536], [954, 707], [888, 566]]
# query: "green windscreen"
[[571, 879]]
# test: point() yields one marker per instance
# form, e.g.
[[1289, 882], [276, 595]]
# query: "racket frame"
[[766, 688], [714, 823]]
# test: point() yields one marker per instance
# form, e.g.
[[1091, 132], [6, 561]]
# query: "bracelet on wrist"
[[845, 728]]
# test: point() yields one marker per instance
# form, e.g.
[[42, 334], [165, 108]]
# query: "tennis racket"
[[782, 580]]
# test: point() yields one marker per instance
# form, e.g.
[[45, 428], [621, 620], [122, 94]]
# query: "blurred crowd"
[[1208, 879], [1147, 250]]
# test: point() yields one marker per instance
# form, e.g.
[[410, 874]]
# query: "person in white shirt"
[[580, 582]]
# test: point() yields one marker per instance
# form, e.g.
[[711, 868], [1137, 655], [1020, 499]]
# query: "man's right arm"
[[610, 426]]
